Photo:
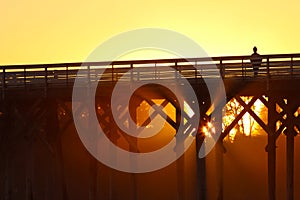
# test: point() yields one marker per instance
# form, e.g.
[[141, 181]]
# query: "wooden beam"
[[290, 165], [240, 115], [253, 114], [271, 148]]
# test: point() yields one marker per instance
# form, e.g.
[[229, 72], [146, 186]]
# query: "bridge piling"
[[201, 171], [271, 147], [290, 135], [290, 166], [220, 151]]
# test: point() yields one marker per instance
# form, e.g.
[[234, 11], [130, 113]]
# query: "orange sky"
[[35, 31]]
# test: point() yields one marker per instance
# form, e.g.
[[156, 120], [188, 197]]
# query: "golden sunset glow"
[[209, 129], [67, 31], [246, 126], [164, 132]]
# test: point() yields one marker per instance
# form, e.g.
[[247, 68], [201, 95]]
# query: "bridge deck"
[[233, 69]]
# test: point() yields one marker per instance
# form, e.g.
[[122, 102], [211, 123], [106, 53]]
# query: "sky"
[[55, 31]]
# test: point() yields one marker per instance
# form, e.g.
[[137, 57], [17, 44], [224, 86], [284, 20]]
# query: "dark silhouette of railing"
[[277, 66]]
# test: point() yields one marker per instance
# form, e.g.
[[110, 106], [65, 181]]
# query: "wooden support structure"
[[180, 161], [220, 150], [201, 168], [271, 148], [290, 133], [30, 98], [290, 165], [133, 148], [219, 169]]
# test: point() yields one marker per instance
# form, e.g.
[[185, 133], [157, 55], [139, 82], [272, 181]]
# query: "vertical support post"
[[8, 177], [133, 148], [93, 164], [54, 138], [180, 175], [201, 166], [290, 165], [7, 127], [220, 150], [113, 136], [290, 150], [93, 180], [180, 161], [29, 172], [134, 188], [271, 147], [220, 166]]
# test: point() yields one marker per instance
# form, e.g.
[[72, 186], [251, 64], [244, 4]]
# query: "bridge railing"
[[272, 67], [278, 66]]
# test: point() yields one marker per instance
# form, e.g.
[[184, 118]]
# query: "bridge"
[[35, 104], [44, 77]]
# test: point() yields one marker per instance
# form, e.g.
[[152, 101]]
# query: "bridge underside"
[[46, 117], [244, 87]]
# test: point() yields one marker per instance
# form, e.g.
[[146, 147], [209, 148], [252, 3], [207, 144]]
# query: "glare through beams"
[[246, 126]]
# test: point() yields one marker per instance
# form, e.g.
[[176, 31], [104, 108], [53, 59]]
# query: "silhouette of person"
[[255, 61]]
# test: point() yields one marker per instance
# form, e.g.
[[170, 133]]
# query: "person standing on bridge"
[[255, 61]]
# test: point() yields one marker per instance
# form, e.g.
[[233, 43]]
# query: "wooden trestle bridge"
[[35, 105]]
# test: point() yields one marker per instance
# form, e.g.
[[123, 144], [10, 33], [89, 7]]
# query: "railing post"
[[3, 83], [292, 66], [176, 69], [243, 69], [24, 77], [46, 81], [155, 72], [268, 68], [196, 70], [268, 74], [131, 72], [67, 75], [89, 76], [112, 72], [222, 69]]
